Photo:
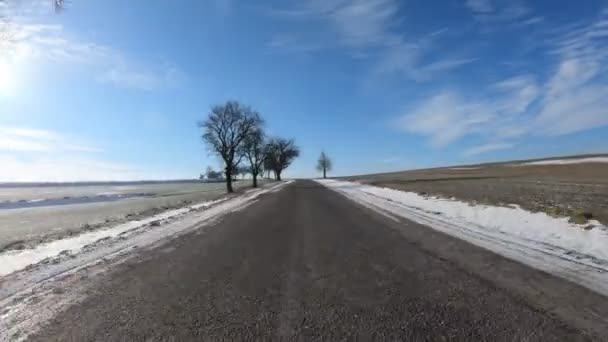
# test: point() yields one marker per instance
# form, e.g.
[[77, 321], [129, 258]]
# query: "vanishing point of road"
[[306, 263]]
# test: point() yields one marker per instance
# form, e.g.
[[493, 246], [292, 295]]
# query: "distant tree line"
[[235, 133]]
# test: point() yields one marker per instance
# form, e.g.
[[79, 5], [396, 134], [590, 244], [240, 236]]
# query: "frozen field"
[[32, 214]]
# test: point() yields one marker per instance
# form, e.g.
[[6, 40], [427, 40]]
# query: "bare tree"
[[324, 164], [281, 152], [224, 132], [59, 5], [255, 151], [267, 166]]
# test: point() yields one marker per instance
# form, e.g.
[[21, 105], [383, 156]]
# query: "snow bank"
[[11, 261], [569, 161], [542, 241], [15, 260]]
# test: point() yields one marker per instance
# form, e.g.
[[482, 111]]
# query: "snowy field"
[[112, 204], [569, 161], [29, 278], [541, 241]]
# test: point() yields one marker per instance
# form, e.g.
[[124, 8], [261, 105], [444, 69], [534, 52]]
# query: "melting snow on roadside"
[[569, 161], [548, 243], [11, 261], [15, 260]]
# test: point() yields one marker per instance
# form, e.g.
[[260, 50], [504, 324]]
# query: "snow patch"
[[15, 260], [28, 297], [569, 161], [544, 242]]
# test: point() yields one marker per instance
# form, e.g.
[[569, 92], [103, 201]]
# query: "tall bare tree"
[[225, 131], [255, 151], [267, 166], [280, 153], [324, 164]]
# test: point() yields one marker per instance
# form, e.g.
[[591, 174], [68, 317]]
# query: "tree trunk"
[[324, 173], [255, 179], [278, 175], [229, 181]]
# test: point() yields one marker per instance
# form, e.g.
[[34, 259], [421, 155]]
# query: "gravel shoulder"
[[305, 263]]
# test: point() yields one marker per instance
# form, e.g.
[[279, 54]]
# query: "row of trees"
[[235, 133]]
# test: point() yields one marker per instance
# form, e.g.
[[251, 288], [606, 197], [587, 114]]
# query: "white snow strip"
[[541, 241], [464, 168], [28, 299], [15, 260], [569, 161]]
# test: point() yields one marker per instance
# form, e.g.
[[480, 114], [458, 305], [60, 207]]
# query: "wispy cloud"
[[480, 6], [576, 96], [369, 29], [287, 43], [520, 92], [501, 12], [52, 168], [50, 43], [25, 139], [489, 147], [572, 99], [445, 118], [38, 155]]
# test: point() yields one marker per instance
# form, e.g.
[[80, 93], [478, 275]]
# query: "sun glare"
[[8, 79]]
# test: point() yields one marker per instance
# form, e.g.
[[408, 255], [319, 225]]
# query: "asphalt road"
[[307, 264]]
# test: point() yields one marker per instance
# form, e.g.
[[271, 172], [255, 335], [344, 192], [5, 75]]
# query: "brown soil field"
[[576, 190]]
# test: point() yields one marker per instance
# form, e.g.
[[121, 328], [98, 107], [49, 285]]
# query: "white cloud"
[[489, 147], [37, 140], [37, 155], [500, 12], [368, 29], [365, 22], [576, 96], [521, 91], [50, 43], [445, 118], [60, 169], [480, 6], [577, 110], [288, 43], [426, 72], [572, 99]]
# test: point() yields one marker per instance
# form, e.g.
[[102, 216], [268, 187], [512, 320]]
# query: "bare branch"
[[225, 130], [281, 153], [324, 164]]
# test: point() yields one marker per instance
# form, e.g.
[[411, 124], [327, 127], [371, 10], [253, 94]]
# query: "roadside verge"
[[550, 244]]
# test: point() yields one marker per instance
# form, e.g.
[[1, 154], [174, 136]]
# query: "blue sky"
[[112, 90]]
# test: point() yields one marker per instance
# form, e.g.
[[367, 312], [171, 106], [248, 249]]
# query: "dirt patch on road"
[[578, 191]]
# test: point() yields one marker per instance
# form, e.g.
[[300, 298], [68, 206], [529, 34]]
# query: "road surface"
[[305, 263]]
